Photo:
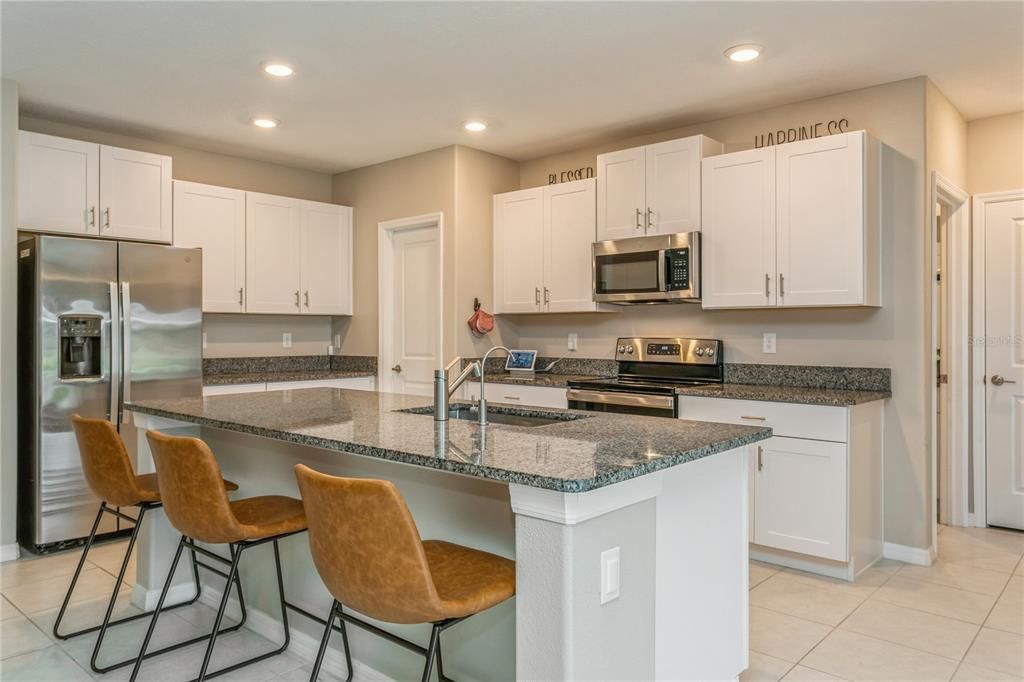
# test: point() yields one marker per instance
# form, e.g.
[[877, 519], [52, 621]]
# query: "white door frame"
[[956, 358], [980, 515], [386, 231]]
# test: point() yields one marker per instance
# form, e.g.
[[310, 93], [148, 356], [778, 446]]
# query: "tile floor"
[[960, 619]]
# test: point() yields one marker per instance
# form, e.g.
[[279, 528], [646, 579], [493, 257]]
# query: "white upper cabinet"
[[653, 189], [518, 251], [795, 225], [213, 219], [272, 226], [58, 184], [89, 189], [738, 239], [325, 242], [135, 194]]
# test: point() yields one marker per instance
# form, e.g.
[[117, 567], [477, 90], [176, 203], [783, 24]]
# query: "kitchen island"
[[629, 533]]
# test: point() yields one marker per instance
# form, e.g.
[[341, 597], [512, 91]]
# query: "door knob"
[[999, 381], [397, 368]]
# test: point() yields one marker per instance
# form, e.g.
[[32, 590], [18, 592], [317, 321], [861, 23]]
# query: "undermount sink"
[[501, 415]]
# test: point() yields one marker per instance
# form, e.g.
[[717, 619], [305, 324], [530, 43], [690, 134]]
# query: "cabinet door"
[[569, 230], [800, 496], [621, 194], [326, 261], [58, 184], [518, 251], [673, 186], [738, 234], [213, 219], [272, 254], [135, 194], [821, 221]]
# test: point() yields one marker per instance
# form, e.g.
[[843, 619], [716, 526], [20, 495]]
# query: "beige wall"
[[228, 335], [946, 138], [8, 308], [892, 336], [995, 153]]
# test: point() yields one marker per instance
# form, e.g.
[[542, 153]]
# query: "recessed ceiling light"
[[278, 69], [744, 53], [263, 122], [475, 126]]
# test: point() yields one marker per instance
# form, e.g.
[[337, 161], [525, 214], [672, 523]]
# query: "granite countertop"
[[593, 451], [785, 394], [225, 379]]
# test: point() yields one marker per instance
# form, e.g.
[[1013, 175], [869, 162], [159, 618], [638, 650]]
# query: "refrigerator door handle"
[[126, 350], [115, 354]]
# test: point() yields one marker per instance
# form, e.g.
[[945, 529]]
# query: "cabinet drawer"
[[819, 422], [536, 396], [234, 388]]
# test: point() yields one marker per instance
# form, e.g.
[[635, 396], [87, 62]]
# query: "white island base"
[[681, 610]]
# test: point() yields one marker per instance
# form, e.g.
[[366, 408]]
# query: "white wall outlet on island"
[[768, 344], [573, 341], [337, 340], [286, 340], [610, 575], [204, 340]]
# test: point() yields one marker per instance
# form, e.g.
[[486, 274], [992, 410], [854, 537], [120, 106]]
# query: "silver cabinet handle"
[[536, 295], [307, 298], [240, 299], [650, 218], [92, 216], [760, 458], [638, 214], [782, 284], [510, 397], [547, 295], [999, 381], [397, 369], [767, 284], [297, 300], [759, 419], [107, 223]]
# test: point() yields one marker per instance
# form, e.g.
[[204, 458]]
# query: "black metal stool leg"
[[117, 587], [440, 663], [435, 634], [344, 642], [323, 642], [232, 575], [78, 571], [159, 606]]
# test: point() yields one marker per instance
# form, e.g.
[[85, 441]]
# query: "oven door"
[[622, 402]]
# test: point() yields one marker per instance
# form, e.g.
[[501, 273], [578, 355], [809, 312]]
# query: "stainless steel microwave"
[[658, 269]]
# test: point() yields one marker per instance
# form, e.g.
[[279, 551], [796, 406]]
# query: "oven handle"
[[659, 402]]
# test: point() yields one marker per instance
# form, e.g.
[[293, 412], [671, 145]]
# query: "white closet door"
[[673, 186], [135, 194], [738, 233], [213, 219], [58, 184], [569, 233], [272, 254], [821, 221], [519, 251], [621, 194], [326, 261]]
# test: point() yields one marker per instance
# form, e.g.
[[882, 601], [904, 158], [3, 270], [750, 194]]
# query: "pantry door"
[[1000, 217]]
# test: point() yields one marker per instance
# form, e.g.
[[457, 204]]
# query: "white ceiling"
[[382, 80]]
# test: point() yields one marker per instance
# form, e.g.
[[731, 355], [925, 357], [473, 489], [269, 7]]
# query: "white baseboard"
[[147, 599], [920, 556], [9, 552], [302, 645]]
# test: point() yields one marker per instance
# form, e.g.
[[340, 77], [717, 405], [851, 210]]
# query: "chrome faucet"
[[443, 390], [483, 365]]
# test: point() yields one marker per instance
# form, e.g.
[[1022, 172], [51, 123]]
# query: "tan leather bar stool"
[[108, 472], [368, 551], [197, 506]]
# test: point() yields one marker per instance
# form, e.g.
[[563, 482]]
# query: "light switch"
[[573, 341], [609, 575], [204, 339], [768, 343], [286, 340]]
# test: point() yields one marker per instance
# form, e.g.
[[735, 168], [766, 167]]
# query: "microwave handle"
[[662, 258]]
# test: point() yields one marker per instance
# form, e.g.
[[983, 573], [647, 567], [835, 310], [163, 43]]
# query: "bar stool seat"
[[268, 515], [467, 580]]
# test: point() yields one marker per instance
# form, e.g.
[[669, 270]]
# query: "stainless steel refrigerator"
[[99, 323]]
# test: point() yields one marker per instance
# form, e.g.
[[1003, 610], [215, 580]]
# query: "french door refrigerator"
[[100, 323]]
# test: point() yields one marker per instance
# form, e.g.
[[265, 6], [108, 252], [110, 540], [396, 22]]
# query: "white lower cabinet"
[[816, 488], [351, 383], [513, 394], [231, 389]]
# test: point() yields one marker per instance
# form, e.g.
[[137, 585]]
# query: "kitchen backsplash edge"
[[289, 363]]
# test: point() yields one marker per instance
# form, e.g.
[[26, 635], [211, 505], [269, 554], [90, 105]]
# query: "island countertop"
[[591, 451]]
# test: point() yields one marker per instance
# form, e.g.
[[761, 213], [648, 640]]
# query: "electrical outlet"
[[337, 340], [573, 341], [204, 340], [286, 340], [610, 575], [768, 343]]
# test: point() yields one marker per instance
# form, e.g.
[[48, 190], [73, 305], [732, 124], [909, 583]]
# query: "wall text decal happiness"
[[806, 132]]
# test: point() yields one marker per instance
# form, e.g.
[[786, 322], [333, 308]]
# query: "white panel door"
[[738, 233], [135, 194], [569, 232], [213, 219], [820, 208], [621, 194], [800, 497], [673, 186], [326, 261], [272, 254], [415, 310], [1003, 226], [58, 184], [519, 251]]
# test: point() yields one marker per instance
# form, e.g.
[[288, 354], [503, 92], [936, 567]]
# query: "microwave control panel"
[[678, 269]]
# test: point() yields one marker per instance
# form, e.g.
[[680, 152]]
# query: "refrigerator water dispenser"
[[80, 346]]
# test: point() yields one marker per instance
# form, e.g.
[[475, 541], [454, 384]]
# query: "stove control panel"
[[670, 350]]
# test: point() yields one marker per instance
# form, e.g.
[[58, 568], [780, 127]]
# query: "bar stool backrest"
[[192, 489], [366, 547], [105, 463]]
